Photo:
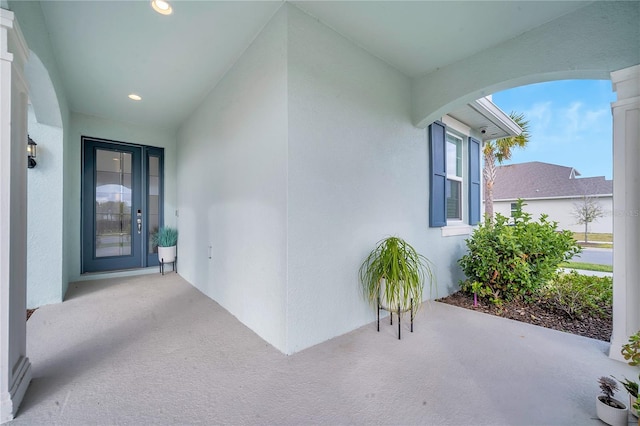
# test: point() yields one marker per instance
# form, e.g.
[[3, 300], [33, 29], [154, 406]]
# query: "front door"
[[121, 204]]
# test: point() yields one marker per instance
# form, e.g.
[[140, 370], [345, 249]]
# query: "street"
[[595, 255]]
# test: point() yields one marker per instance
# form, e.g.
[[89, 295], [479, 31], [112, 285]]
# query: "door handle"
[[139, 221]]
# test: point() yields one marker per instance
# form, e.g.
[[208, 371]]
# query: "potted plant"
[[632, 388], [631, 353], [393, 277], [166, 239], [610, 410]]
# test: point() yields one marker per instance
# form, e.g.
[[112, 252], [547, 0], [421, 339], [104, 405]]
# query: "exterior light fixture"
[[135, 97], [162, 7], [31, 152]]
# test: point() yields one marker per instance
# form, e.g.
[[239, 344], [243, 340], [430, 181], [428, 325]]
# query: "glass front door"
[[121, 205]]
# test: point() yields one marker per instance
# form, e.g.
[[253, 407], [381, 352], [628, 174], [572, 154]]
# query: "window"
[[514, 209], [454, 177], [454, 189]]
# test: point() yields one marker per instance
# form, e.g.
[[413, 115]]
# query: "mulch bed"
[[29, 313], [538, 314]]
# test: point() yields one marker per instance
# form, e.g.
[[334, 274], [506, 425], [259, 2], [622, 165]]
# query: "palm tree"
[[500, 150]]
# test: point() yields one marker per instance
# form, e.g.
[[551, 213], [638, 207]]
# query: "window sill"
[[453, 230]]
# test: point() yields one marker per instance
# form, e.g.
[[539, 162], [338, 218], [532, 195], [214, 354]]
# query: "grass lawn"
[[587, 266], [594, 240], [591, 237]]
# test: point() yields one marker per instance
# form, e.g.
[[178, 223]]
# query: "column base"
[[10, 401], [614, 350]]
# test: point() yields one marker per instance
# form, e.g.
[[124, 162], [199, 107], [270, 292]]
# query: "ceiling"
[[108, 49]]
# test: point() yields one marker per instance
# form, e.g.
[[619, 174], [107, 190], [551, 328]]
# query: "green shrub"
[[505, 261], [579, 295]]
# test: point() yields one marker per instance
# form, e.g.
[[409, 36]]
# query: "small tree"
[[500, 150], [585, 211]]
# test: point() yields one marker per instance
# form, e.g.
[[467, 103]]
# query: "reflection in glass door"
[[121, 204], [154, 157], [113, 203]]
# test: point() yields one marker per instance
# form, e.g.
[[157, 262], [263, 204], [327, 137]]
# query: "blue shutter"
[[474, 181], [438, 176]]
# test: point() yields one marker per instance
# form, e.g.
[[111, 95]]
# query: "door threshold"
[[89, 276]]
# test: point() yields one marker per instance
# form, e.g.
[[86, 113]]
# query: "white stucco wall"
[[84, 125], [45, 221], [294, 166], [232, 173], [358, 172], [560, 210]]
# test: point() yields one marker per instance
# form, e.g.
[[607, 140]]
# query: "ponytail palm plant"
[[394, 275]]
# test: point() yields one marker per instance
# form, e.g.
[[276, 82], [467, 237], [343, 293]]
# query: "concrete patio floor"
[[153, 350]]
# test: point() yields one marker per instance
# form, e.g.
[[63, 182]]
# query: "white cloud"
[[539, 114], [597, 117], [567, 125]]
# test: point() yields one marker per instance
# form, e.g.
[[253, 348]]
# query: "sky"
[[569, 124]]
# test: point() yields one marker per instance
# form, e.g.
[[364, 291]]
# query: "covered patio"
[[288, 139], [153, 350]]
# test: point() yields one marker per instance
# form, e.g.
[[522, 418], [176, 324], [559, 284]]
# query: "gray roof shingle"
[[543, 180]]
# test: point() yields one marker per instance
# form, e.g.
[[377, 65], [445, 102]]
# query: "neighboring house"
[[554, 190], [283, 139]]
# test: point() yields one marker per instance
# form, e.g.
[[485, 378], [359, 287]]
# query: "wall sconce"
[[31, 152]]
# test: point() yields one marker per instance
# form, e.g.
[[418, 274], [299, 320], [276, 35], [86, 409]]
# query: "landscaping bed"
[[540, 314]]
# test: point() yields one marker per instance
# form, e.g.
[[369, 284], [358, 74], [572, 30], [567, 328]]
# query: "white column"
[[15, 368], [626, 207]]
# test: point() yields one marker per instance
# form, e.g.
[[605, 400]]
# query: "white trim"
[[626, 189], [491, 112], [460, 142], [564, 197], [15, 368], [456, 125], [626, 80], [7, 20], [11, 401], [453, 230], [625, 102]]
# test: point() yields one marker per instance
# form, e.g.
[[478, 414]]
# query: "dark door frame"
[[141, 256]]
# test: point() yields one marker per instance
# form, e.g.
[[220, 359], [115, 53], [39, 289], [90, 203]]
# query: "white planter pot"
[[393, 307], [167, 254], [611, 415]]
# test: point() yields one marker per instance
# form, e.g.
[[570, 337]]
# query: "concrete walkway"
[[585, 272], [153, 350]]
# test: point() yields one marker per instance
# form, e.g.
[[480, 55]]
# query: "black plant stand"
[[399, 312], [174, 265]]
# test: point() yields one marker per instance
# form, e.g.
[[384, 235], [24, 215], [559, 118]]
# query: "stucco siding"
[[232, 171], [44, 231], [561, 210], [294, 166], [358, 172]]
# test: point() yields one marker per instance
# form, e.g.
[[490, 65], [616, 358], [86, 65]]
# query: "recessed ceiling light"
[[135, 97], [162, 7]]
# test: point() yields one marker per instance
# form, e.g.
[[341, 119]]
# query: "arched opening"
[[44, 190], [626, 145]]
